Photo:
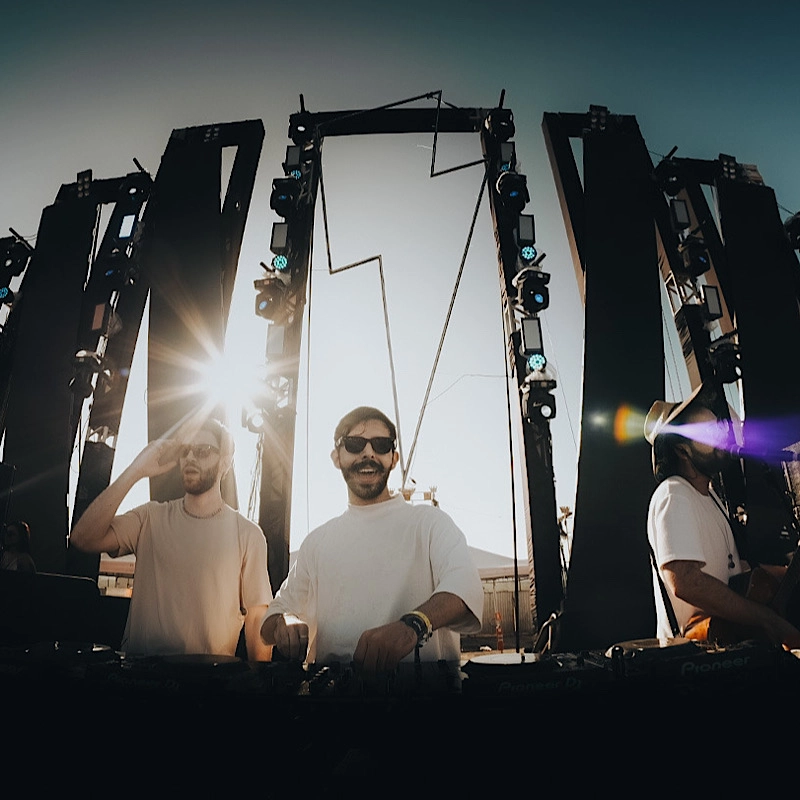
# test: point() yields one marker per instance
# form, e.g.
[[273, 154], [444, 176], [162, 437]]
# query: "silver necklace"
[[199, 516]]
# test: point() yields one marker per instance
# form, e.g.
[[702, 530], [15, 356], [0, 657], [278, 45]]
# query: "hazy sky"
[[92, 86]]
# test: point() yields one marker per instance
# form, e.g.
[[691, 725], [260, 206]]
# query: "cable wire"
[[446, 325]]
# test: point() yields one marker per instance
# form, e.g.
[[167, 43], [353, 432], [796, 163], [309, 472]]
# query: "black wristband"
[[417, 624]]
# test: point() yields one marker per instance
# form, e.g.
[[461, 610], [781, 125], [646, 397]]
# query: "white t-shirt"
[[370, 566], [195, 579], [685, 525]]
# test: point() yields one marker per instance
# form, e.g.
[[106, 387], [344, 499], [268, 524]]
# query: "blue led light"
[[296, 174], [4, 292], [538, 298], [536, 362], [505, 167], [528, 253], [280, 263]]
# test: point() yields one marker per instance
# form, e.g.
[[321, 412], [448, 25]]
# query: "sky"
[[92, 86]]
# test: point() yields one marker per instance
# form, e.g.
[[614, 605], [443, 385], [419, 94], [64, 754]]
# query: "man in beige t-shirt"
[[201, 567]]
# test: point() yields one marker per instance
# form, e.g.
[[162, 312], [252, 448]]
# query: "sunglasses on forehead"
[[201, 451], [356, 444]]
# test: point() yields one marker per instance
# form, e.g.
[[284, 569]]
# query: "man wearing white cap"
[[692, 543]]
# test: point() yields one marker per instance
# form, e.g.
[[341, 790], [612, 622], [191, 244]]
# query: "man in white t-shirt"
[[687, 526], [381, 580], [201, 567]]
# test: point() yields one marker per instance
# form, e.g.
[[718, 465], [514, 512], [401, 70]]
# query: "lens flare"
[[628, 425]]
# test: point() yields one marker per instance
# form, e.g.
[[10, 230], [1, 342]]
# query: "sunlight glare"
[[232, 381], [628, 425]]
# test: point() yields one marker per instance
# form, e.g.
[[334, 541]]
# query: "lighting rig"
[[280, 292], [690, 272], [525, 295], [529, 281], [280, 299], [114, 270], [277, 291]]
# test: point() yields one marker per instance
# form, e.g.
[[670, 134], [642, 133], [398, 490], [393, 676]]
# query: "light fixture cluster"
[[113, 270], [529, 292], [288, 194]]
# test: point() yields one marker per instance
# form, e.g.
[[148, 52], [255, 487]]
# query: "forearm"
[[716, 599], [257, 649], [268, 629], [443, 609], [382, 648], [90, 531]]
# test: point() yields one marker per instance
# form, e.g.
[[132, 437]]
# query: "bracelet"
[[420, 624]]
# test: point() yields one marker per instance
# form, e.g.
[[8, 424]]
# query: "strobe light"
[[712, 302], [531, 347], [526, 239], [279, 245]]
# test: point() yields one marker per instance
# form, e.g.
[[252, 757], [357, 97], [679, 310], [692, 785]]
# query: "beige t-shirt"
[[195, 579]]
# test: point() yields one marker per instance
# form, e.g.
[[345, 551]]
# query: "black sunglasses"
[[355, 444], [201, 451]]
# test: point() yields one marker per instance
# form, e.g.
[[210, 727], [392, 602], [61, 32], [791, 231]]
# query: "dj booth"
[[582, 715]]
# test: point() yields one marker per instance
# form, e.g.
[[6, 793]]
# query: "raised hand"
[[159, 457]]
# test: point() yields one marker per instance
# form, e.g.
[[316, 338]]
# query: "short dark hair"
[[665, 458], [362, 414], [220, 433]]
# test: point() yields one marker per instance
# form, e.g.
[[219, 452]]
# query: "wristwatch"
[[420, 624]]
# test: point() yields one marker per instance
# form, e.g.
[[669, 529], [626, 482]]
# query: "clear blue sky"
[[90, 85]]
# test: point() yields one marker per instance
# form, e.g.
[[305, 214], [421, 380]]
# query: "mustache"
[[366, 462]]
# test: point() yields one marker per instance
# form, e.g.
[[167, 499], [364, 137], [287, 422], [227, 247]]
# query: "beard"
[[370, 491], [711, 463], [199, 482]]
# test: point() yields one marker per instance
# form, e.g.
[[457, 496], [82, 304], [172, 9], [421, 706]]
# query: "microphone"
[[770, 457]]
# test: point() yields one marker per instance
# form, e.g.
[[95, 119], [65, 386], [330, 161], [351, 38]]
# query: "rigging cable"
[[368, 260], [446, 324]]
